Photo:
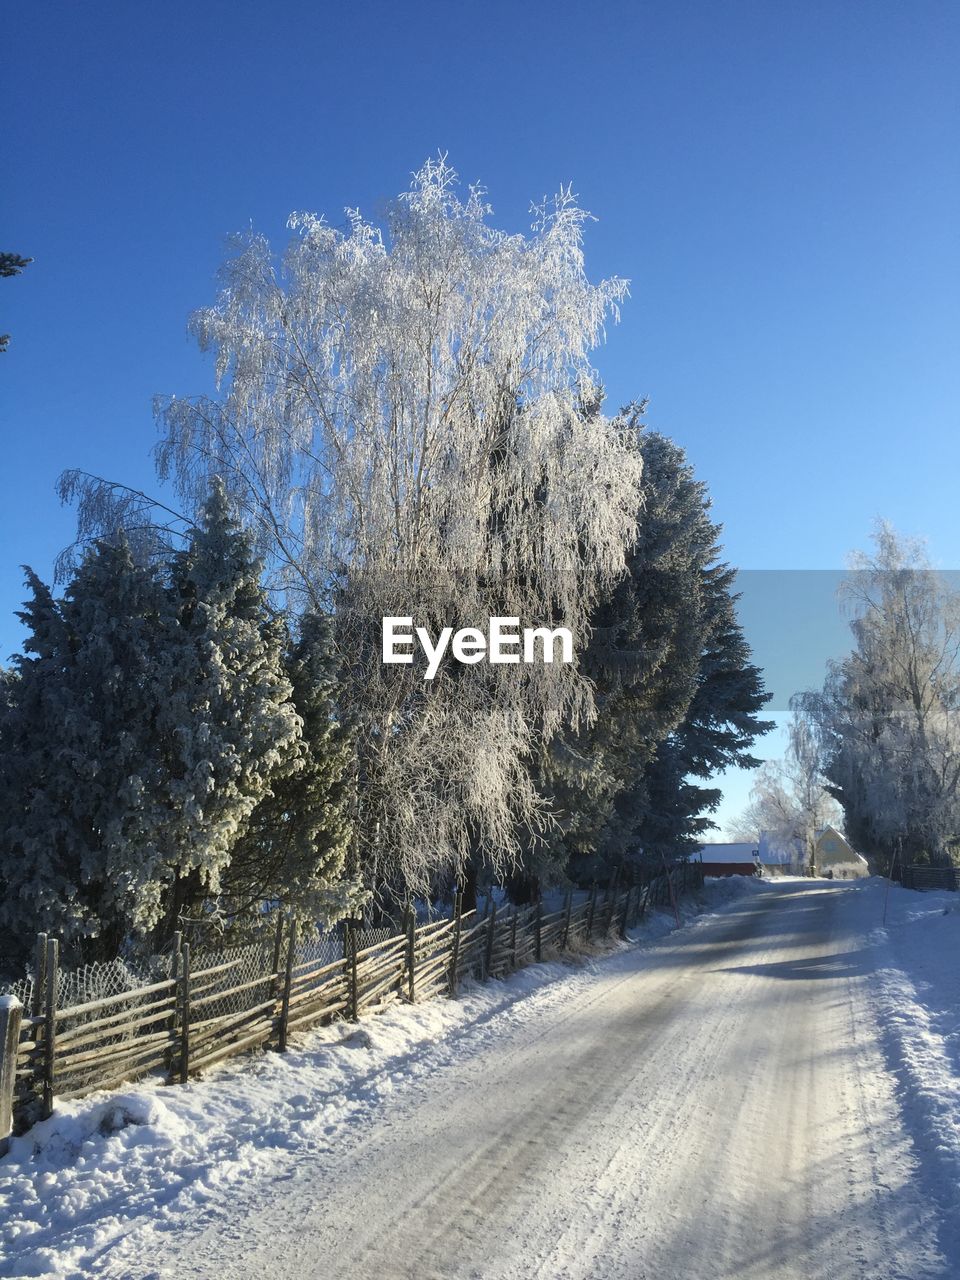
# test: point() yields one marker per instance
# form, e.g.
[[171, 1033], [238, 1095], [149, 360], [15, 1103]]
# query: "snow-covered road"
[[717, 1105]]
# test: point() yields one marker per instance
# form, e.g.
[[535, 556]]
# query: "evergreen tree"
[[294, 846], [81, 831], [233, 725], [677, 695], [161, 764], [11, 264], [643, 658], [720, 726]]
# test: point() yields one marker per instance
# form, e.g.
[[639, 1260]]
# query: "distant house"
[[738, 859], [781, 856], [833, 856], [776, 857]]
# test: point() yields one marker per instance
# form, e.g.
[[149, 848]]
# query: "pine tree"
[[294, 847], [717, 731], [34, 879], [11, 264], [233, 725], [81, 833], [151, 734], [643, 658]]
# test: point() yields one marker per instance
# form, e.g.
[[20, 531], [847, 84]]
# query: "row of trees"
[[888, 717], [171, 751], [405, 423], [878, 747]]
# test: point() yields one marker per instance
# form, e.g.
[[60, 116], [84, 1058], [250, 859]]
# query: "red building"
[[738, 859]]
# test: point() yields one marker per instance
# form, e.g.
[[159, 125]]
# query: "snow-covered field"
[[770, 1091]]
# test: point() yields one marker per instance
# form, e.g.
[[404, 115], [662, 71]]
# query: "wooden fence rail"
[[202, 1015]]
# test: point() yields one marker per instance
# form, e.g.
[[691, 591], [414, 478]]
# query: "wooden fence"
[[914, 877], [204, 1013]]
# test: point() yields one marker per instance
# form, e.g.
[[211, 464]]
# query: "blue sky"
[[779, 181]]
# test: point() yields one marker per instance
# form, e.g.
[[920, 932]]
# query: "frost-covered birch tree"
[[397, 418], [889, 713], [789, 799]]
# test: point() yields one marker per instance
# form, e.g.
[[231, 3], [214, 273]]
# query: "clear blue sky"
[[779, 180]]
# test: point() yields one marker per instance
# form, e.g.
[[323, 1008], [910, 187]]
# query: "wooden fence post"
[[185, 1013], [513, 940], [612, 905], [591, 909], [350, 938], [673, 896], [565, 936], [491, 930], [537, 929], [172, 1024], [50, 1024], [411, 929], [277, 948], [39, 981], [455, 954], [11, 1012], [614, 893], [625, 914], [287, 983]]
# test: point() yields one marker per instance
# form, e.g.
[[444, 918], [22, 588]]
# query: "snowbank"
[[105, 1165], [916, 1000]]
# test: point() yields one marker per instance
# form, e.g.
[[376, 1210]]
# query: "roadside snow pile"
[[78, 1182], [720, 889], [916, 996]]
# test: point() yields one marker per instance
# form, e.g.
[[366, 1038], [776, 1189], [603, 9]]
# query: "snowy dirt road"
[[714, 1106]]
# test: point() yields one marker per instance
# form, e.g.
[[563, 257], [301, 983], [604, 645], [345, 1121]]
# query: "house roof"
[[847, 846], [822, 831], [741, 851]]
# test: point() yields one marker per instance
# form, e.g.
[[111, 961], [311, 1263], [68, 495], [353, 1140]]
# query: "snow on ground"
[[101, 1166], [772, 1091], [916, 1000]]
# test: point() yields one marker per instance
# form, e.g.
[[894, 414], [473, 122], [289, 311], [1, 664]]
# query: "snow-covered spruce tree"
[[151, 736], [717, 732], [34, 881], [232, 727], [889, 714], [82, 827], [379, 397], [643, 658], [294, 846]]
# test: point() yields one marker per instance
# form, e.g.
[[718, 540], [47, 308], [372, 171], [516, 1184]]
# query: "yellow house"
[[833, 856]]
